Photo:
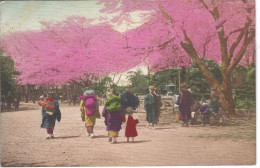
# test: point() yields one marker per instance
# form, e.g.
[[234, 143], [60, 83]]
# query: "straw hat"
[[151, 87]]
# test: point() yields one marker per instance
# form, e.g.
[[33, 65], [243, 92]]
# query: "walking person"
[[89, 111], [16, 103], [151, 107], [159, 103], [50, 113], [184, 101], [112, 114], [131, 122], [128, 99]]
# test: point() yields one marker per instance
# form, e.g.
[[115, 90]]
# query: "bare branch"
[[204, 46], [164, 45], [55, 33], [119, 79], [214, 13], [241, 52], [234, 31], [168, 17], [239, 38]]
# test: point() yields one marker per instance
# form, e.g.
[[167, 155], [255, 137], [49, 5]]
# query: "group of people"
[[117, 110], [185, 101], [121, 109]]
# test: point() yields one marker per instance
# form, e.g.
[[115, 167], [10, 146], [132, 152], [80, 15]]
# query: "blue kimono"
[[150, 106], [48, 121]]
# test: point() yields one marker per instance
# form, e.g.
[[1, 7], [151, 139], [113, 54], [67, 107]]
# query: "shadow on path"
[[13, 164], [130, 142], [163, 128], [66, 137], [100, 136]]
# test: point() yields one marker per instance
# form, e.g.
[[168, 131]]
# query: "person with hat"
[[113, 115], [184, 101], [89, 110], [150, 106]]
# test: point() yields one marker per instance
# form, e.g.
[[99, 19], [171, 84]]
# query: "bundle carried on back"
[[47, 104], [90, 102], [113, 104]]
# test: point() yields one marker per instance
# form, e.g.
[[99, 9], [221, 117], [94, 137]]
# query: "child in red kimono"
[[130, 130]]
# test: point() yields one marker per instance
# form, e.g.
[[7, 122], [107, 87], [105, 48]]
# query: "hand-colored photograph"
[[104, 83]]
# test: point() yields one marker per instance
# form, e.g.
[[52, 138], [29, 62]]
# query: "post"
[[179, 74]]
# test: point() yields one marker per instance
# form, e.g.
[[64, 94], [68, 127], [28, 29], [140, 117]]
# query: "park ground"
[[23, 142]]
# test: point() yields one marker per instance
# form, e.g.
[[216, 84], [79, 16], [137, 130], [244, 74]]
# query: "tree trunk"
[[179, 79], [227, 102], [187, 75], [225, 92]]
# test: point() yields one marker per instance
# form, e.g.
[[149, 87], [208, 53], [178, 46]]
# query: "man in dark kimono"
[[150, 106], [128, 99], [184, 101]]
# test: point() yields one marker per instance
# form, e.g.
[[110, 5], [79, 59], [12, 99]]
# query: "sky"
[[25, 15]]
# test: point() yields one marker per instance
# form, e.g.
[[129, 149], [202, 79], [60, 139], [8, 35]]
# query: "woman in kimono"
[[113, 116], [89, 111], [49, 118]]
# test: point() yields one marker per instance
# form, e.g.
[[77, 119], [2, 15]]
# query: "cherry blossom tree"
[[220, 30], [174, 33], [65, 51]]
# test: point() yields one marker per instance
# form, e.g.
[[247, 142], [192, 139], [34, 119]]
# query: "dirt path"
[[23, 143]]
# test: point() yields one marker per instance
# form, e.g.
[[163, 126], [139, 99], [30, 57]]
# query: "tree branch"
[[204, 47], [119, 79], [189, 48], [164, 45], [241, 52], [237, 30], [214, 13], [55, 33], [239, 38], [168, 17]]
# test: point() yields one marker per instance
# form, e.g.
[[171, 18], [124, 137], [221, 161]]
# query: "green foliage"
[[101, 87], [138, 81], [244, 91], [8, 83], [118, 89], [198, 84], [169, 76]]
